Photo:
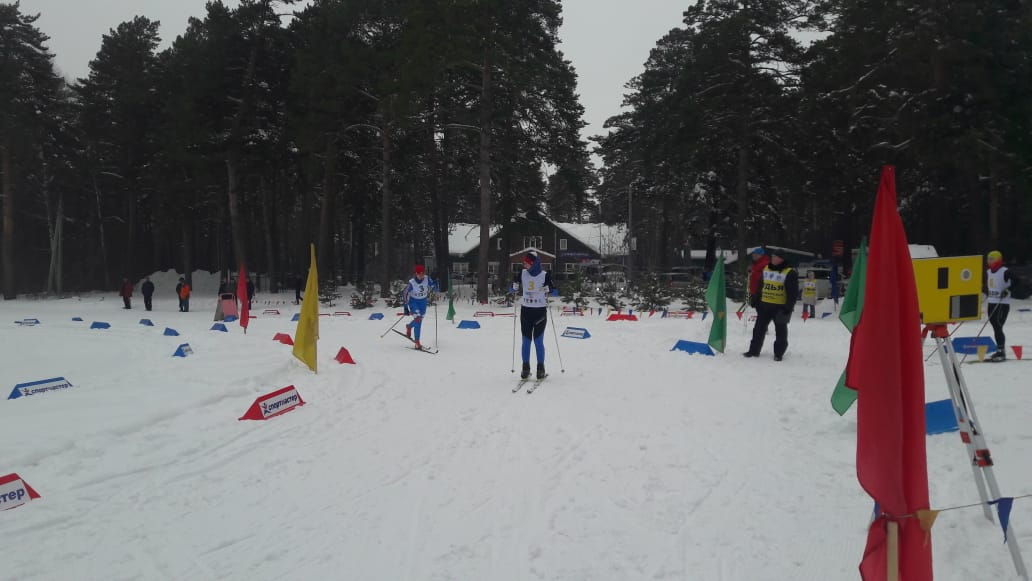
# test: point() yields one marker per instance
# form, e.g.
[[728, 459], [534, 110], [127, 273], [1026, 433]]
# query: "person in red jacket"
[[760, 260], [126, 292]]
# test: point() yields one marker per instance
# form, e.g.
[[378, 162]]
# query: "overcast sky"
[[607, 40]]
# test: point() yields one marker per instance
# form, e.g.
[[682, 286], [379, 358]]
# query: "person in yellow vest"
[[775, 302], [810, 295], [998, 282]]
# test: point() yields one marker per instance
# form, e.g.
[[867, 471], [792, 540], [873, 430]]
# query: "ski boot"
[[540, 371], [525, 373]]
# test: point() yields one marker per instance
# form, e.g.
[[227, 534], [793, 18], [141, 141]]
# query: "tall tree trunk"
[[130, 239], [328, 205], [439, 206], [103, 236], [994, 208], [232, 161], [188, 251], [59, 268], [267, 227], [385, 211], [742, 193], [485, 179], [6, 167], [233, 153]]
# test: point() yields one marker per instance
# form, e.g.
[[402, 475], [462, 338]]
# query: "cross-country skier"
[[415, 298], [536, 284], [998, 282]]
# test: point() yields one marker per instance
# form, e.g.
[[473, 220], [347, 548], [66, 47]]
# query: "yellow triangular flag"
[[927, 518], [982, 350], [306, 337]]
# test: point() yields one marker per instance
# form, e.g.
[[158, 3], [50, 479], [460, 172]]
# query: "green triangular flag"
[[451, 300], [716, 300], [852, 306]]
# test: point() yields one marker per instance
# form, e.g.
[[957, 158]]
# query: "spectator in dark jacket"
[[126, 292], [250, 293], [774, 302], [147, 288]]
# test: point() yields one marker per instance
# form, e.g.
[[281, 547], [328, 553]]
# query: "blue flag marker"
[[1003, 508]]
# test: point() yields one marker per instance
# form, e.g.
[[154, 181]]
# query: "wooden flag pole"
[[893, 557]]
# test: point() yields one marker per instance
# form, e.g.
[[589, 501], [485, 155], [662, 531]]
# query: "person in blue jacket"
[[415, 296], [536, 285]]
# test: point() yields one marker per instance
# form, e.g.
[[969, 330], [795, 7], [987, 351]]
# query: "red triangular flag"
[[1017, 350], [886, 368], [806, 314], [344, 357]]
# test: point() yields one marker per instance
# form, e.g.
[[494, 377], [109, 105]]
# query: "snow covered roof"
[[605, 239], [923, 251], [528, 249], [465, 237], [730, 256]]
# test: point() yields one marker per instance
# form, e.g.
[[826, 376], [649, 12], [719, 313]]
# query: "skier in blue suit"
[[415, 298], [536, 285]]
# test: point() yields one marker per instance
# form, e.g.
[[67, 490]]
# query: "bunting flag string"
[[1003, 508]]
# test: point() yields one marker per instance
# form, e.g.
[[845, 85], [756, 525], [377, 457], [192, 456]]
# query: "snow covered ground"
[[636, 463]]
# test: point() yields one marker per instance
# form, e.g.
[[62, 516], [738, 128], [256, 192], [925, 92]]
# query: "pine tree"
[[29, 91]]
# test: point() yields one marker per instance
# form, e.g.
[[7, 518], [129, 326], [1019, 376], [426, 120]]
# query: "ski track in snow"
[[634, 463]]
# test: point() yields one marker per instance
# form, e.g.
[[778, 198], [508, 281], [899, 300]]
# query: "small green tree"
[[693, 296], [610, 296], [364, 295], [577, 291], [651, 294], [328, 292], [397, 294]]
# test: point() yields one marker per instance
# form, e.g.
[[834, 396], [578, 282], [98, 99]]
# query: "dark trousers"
[[147, 302], [764, 315], [997, 317], [125, 301], [533, 321], [811, 309]]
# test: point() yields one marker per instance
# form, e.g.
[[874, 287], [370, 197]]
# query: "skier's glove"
[[406, 311]]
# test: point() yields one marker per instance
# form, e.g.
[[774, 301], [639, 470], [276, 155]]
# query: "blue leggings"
[[417, 310], [532, 325]]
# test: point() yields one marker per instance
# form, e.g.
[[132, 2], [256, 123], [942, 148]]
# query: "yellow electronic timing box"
[[949, 289]]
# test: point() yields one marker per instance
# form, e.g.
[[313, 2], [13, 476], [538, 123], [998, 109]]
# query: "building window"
[[516, 267], [546, 266], [492, 268], [562, 244], [533, 242], [569, 267], [499, 244], [460, 268]]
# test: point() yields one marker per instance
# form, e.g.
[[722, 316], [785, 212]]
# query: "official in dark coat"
[[775, 301]]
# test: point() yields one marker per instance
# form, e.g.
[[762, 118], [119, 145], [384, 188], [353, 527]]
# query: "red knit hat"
[[420, 269]]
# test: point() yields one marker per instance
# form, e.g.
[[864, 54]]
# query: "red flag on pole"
[[885, 368], [245, 307]]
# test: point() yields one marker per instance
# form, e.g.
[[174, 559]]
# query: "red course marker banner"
[[15, 492], [278, 402]]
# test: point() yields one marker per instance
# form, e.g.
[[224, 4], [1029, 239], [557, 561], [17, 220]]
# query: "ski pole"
[[514, 304], [393, 326], [562, 368], [437, 340]]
